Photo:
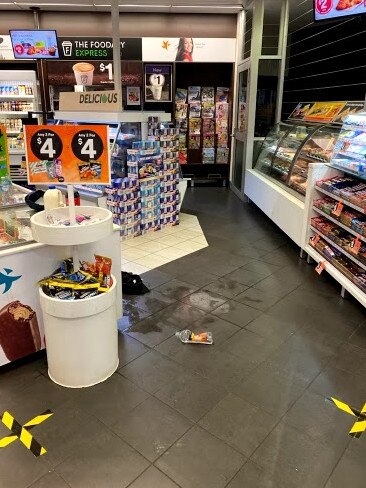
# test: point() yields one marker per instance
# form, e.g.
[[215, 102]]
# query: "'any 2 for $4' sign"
[[67, 154]]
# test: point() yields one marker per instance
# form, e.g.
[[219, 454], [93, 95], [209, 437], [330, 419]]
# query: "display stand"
[[81, 335], [317, 172]]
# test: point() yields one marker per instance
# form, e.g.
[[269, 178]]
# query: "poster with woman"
[[185, 50]]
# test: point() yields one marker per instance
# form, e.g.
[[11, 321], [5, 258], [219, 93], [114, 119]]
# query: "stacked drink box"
[[123, 200], [145, 162], [168, 139]]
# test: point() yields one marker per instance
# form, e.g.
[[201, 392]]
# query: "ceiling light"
[[239, 7], [139, 5]]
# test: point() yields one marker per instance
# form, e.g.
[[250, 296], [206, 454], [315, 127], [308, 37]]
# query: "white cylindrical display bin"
[[81, 338]]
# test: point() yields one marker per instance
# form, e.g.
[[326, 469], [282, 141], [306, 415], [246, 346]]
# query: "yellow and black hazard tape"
[[360, 425], [22, 433]]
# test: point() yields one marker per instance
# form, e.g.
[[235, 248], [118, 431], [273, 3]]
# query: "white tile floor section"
[[140, 254]]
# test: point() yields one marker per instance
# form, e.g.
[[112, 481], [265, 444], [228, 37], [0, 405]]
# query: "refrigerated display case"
[[18, 97], [289, 148]]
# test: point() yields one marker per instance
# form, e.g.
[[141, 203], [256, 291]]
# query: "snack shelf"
[[313, 159], [347, 170], [337, 222], [339, 248], [338, 198], [345, 282], [12, 112], [18, 97]]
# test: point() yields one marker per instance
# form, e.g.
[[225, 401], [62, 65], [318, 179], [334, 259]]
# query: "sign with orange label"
[[315, 239], [337, 210], [321, 266], [324, 111], [69, 154], [355, 245]]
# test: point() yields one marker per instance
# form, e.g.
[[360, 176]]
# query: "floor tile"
[[204, 300], [69, 429], [151, 331], [271, 389], [150, 302], [252, 475], [344, 386], [154, 278], [110, 400], [351, 469], [134, 268], [197, 277], [40, 395], [238, 423], [134, 253], [226, 287], [129, 349], [276, 286], [358, 338], [176, 289], [251, 346], [296, 457], [172, 240], [108, 460], [199, 460], [151, 371], [191, 245], [320, 420], [180, 314], [152, 246], [350, 358], [270, 327], [304, 355], [131, 315], [152, 261], [151, 428], [51, 479], [221, 329], [190, 395], [171, 253], [153, 478], [18, 467], [16, 379], [257, 299], [236, 313], [246, 277]]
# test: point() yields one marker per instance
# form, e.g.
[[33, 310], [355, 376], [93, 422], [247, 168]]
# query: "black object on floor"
[[132, 284]]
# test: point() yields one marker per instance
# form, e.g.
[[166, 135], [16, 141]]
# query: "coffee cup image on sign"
[[83, 73], [157, 82], [19, 331], [67, 48]]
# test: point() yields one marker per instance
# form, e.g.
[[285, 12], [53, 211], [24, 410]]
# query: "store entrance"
[[240, 129]]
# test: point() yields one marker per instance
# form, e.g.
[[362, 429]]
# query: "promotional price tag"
[[337, 210], [315, 239], [321, 266], [355, 245], [67, 154]]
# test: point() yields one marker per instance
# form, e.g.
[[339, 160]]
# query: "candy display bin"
[[81, 335], [81, 338]]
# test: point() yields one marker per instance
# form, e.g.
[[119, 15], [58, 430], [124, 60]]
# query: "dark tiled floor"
[[247, 412]]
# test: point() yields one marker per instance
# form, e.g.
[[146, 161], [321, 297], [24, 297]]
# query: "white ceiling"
[[167, 6]]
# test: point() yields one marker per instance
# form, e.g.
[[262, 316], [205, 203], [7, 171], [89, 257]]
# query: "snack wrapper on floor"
[[189, 337]]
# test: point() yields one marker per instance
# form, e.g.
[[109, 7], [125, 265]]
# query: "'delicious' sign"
[[95, 101]]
